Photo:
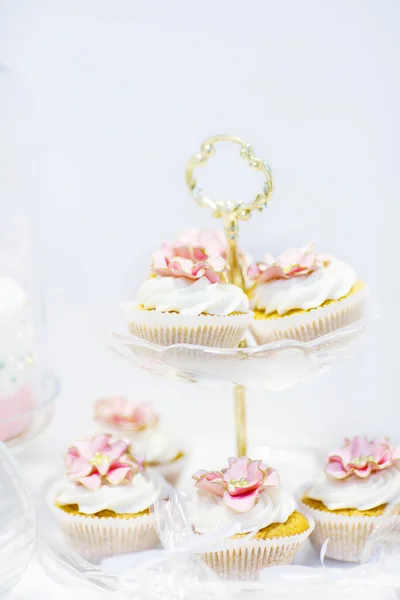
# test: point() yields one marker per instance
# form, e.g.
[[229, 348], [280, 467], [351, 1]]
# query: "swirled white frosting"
[[379, 488], [133, 497], [192, 297], [208, 512], [155, 444], [305, 292]]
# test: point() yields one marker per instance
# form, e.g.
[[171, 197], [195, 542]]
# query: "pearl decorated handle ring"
[[227, 209]]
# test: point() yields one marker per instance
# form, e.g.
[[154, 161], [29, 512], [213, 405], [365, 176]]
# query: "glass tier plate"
[[271, 367]]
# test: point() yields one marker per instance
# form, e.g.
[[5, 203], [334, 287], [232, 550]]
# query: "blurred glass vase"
[[24, 407]]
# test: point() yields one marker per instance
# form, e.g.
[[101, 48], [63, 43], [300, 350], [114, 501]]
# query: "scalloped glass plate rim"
[[338, 334]]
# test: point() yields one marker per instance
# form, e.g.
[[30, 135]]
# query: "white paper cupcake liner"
[[99, 537], [311, 324], [347, 535], [166, 328], [243, 559]]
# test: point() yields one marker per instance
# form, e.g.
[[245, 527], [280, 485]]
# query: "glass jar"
[[26, 397]]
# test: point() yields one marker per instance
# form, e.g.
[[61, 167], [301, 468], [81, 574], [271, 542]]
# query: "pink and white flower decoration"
[[197, 245], [98, 461], [165, 266], [121, 413], [361, 457], [239, 485], [292, 263]]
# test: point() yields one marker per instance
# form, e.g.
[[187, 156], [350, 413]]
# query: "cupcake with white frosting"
[[259, 519], [303, 295], [349, 501], [104, 502], [188, 302], [139, 424]]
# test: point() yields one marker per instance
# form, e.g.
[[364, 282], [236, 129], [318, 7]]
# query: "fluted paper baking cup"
[[308, 325], [243, 559], [99, 537], [166, 328], [347, 535]]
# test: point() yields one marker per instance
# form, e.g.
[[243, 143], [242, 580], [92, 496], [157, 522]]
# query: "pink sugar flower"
[[240, 484], [98, 461], [361, 457], [164, 266], [119, 412], [198, 245], [292, 263]]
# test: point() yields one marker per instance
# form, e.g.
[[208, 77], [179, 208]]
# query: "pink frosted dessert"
[[104, 502], [15, 414], [302, 295], [188, 301], [260, 524], [139, 424], [360, 483], [17, 389]]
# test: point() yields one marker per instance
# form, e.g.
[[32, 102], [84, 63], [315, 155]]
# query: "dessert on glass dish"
[[302, 295], [103, 504], [17, 380], [188, 301], [350, 499], [139, 424], [246, 500]]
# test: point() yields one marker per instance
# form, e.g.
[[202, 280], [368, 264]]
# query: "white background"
[[122, 93]]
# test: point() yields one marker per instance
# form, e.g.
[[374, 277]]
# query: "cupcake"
[[104, 502], [139, 425], [349, 501], [188, 302], [303, 295], [245, 498]]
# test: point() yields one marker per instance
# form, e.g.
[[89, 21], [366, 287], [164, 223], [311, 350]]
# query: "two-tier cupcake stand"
[[270, 367]]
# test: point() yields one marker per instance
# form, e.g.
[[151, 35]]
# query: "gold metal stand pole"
[[236, 276], [232, 212], [240, 418]]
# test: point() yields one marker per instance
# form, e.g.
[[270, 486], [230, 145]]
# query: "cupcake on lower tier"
[[303, 295], [139, 424], [187, 302], [349, 501], [246, 497], [104, 503]]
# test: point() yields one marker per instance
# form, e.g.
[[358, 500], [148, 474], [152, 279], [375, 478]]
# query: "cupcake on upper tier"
[[349, 501], [303, 295], [104, 502], [187, 300], [139, 424], [245, 500]]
